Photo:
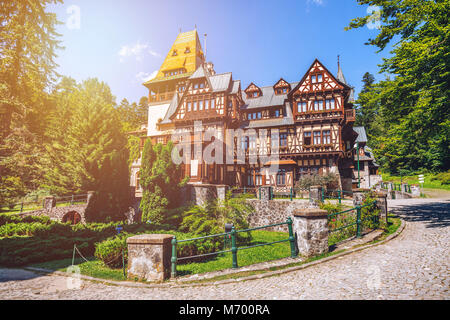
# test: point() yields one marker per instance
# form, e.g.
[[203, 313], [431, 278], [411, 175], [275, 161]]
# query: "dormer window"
[[281, 87], [174, 53], [188, 50], [253, 91], [281, 91]]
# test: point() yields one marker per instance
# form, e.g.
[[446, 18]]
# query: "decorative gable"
[[281, 87], [318, 79], [253, 91]]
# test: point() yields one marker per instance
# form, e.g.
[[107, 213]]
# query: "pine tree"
[[27, 69], [366, 109], [89, 152], [161, 181]]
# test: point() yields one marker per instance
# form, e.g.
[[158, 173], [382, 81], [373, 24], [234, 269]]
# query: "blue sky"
[[123, 42]]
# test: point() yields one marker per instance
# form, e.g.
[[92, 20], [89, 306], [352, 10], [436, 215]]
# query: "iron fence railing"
[[234, 248], [403, 187], [72, 199], [356, 219], [23, 205], [336, 194], [38, 203]]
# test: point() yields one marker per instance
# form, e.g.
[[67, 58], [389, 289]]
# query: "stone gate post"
[[311, 227], [382, 206], [264, 193], [149, 257], [315, 196], [49, 203]]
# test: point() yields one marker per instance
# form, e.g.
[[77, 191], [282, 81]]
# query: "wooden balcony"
[[166, 96], [350, 115]]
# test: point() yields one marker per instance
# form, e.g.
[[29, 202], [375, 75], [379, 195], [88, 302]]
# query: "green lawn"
[[96, 268], [428, 184]]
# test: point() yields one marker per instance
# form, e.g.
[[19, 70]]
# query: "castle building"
[[306, 126]]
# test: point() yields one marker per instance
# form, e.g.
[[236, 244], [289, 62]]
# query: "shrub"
[[25, 240], [212, 217], [12, 218], [328, 180], [370, 214], [110, 250]]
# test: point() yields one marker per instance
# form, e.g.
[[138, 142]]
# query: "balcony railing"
[[350, 115], [162, 96]]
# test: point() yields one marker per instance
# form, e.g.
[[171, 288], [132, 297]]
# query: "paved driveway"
[[415, 265]]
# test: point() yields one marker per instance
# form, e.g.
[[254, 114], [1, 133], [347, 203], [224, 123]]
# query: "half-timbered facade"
[[313, 119]]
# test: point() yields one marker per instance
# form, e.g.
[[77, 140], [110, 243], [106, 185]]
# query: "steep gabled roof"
[[190, 61], [307, 73], [221, 82], [267, 99], [362, 136]]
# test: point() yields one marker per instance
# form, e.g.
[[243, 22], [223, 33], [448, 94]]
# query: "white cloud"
[[138, 51], [145, 76], [314, 2]]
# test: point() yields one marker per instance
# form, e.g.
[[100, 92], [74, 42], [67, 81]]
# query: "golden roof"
[[186, 53]]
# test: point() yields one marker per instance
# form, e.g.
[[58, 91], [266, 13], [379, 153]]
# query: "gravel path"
[[415, 265]]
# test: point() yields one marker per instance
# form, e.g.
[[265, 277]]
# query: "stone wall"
[[274, 211], [58, 213]]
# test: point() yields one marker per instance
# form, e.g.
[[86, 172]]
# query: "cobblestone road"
[[415, 265]]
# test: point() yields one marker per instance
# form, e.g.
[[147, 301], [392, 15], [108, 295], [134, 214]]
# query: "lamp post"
[[357, 151]]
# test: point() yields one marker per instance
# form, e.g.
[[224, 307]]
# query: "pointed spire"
[[341, 78], [340, 74]]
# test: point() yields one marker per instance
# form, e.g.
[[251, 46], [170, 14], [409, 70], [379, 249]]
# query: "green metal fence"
[[335, 194], [234, 248], [287, 194], [356, 220], [396, 186]]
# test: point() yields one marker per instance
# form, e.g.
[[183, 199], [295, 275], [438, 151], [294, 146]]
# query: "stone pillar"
[[382, 206], [221, 191], [49, 203], [311, 227], [149, 257], [415, 191], [90, 195], [315, 196], [264, 193], [359, 196]]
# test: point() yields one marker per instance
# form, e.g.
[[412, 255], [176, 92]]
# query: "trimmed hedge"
[[26, 240]]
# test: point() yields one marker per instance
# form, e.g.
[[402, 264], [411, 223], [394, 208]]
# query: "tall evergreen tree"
[[28, 44], [414, 112], [89, 152], [365, 108], [161, 180]]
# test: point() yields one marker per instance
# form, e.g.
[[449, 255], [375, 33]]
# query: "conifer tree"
[[161, 181], [28, 44]]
